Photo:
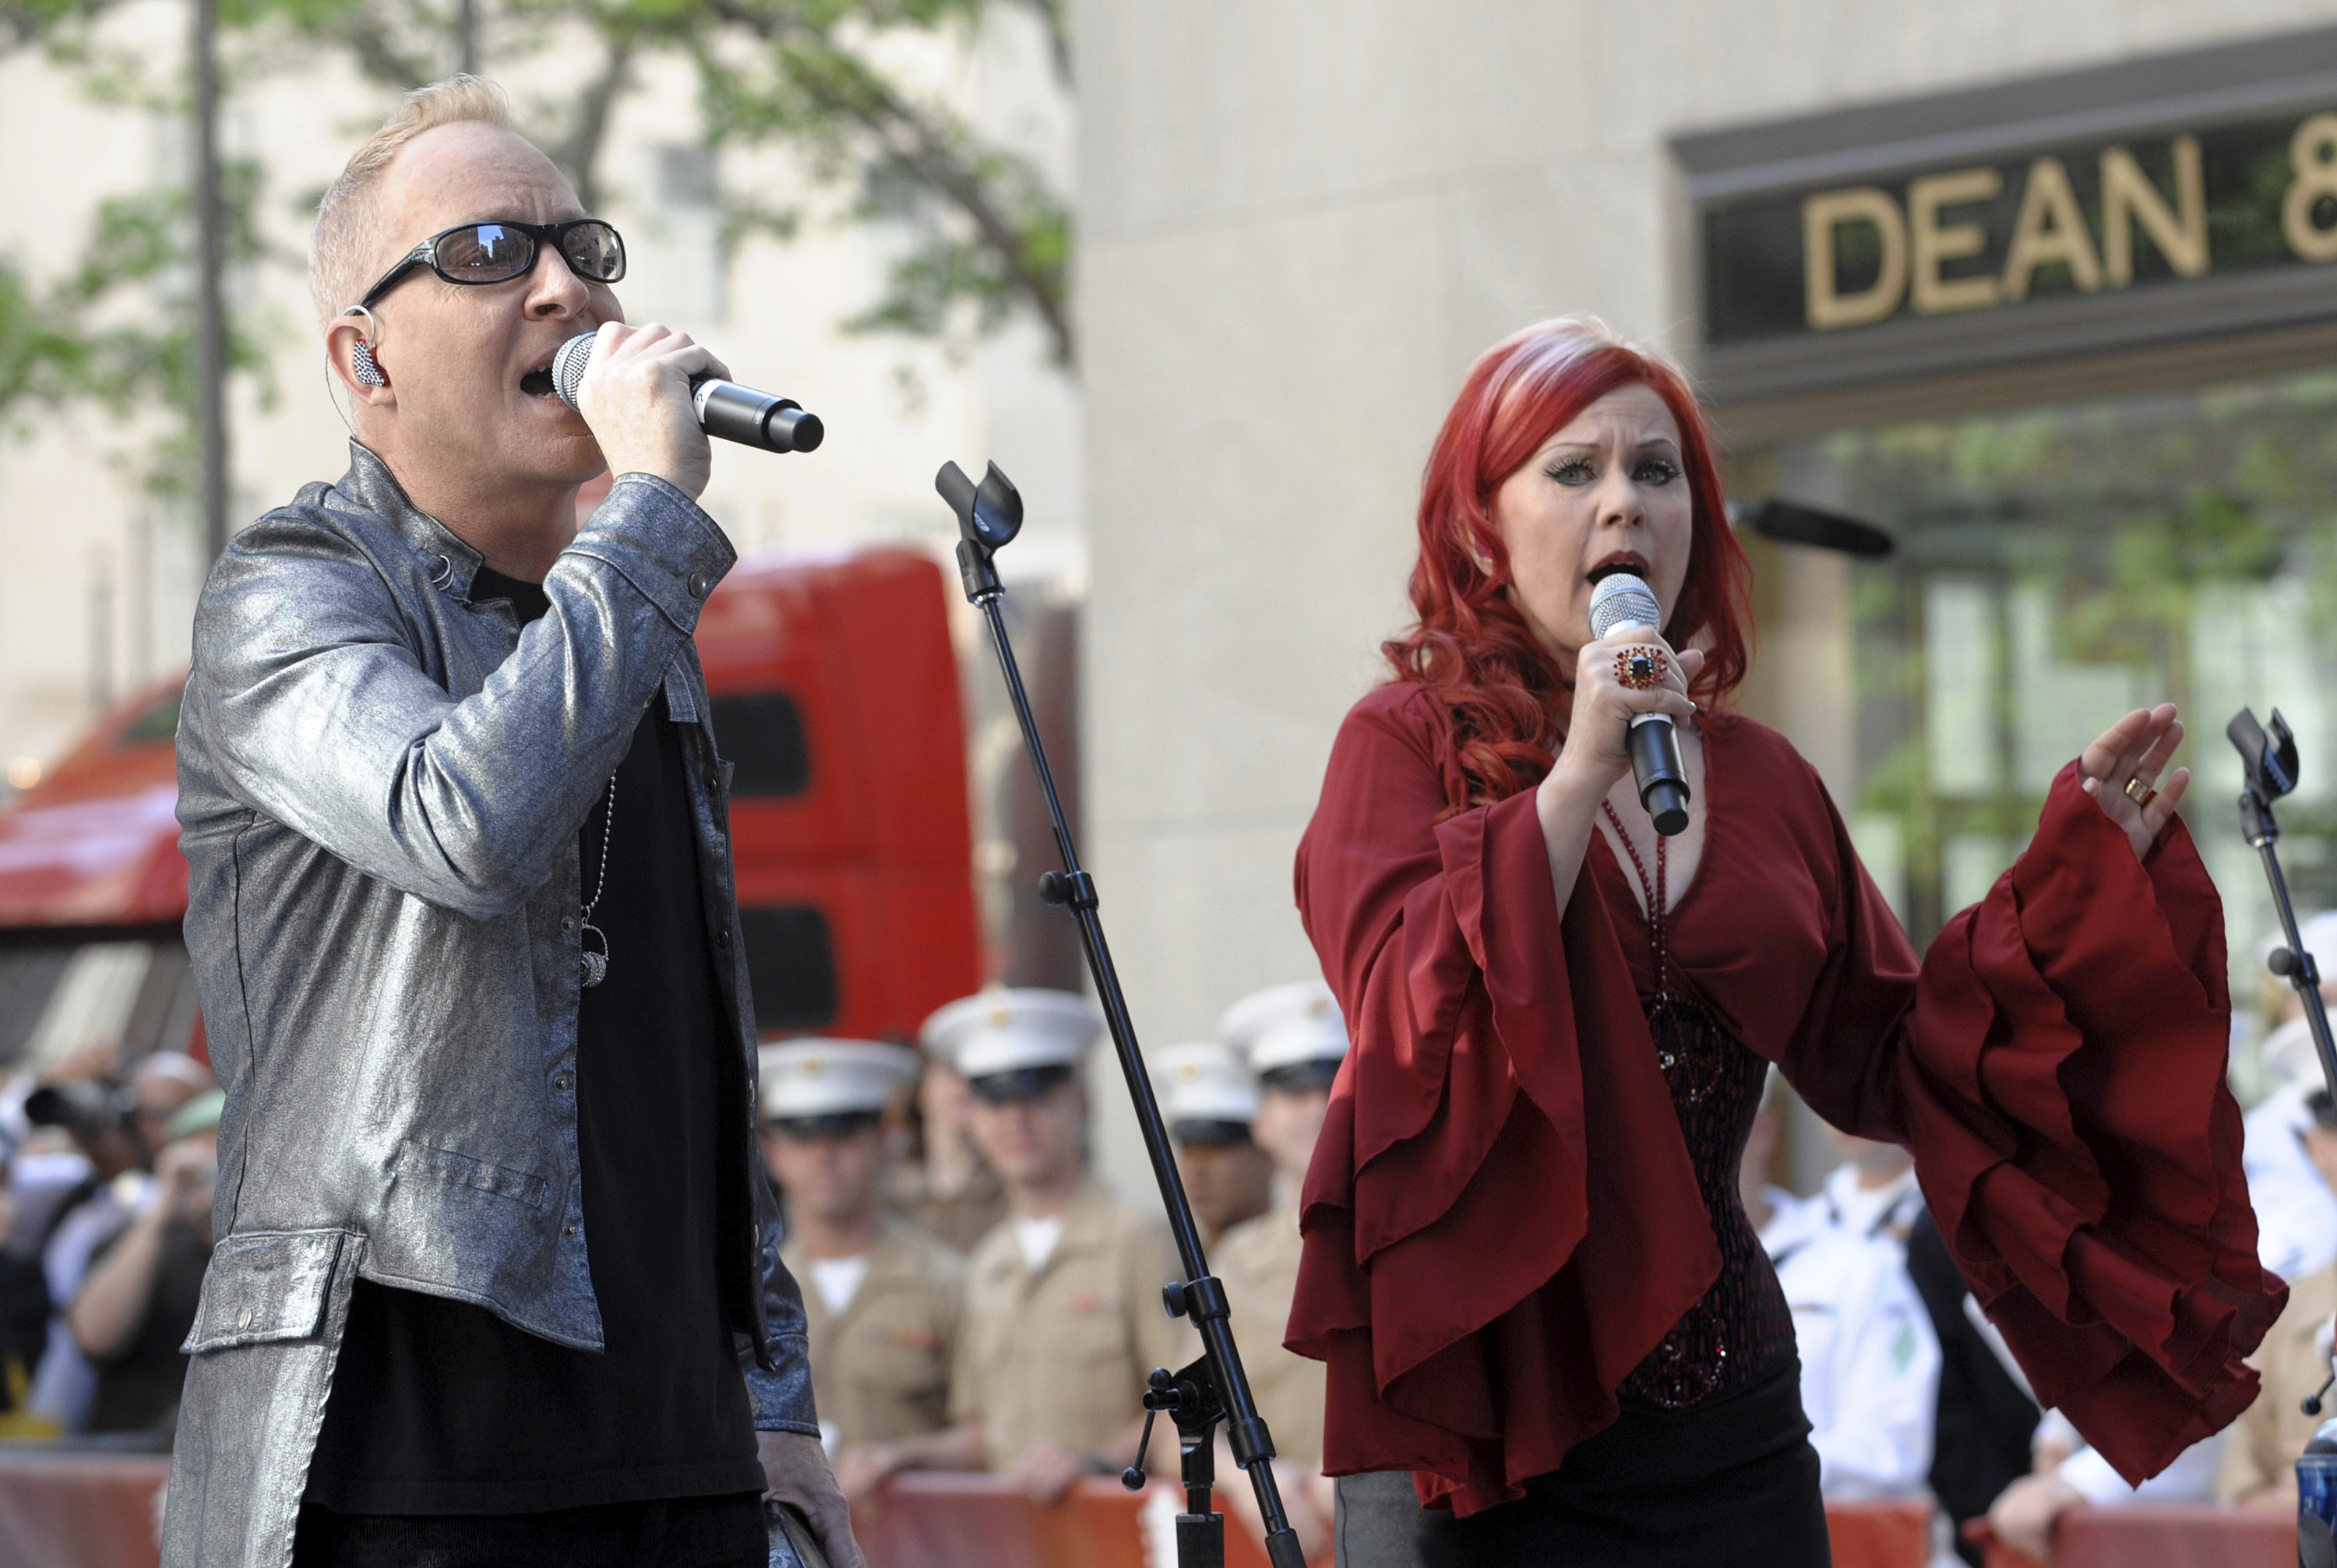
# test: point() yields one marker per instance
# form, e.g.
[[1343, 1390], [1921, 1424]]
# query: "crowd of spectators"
[[976, 1299], [902, 1178], [107, 1170]]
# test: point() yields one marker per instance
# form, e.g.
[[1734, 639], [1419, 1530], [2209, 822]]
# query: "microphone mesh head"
[[568, 366], [1619, 598]]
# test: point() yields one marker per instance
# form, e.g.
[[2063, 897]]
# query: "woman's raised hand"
[[2121, 773], [1632, 670]]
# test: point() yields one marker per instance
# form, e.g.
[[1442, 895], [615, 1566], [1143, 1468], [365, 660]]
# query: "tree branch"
[[929, 148], [929, 153], [578, 153]]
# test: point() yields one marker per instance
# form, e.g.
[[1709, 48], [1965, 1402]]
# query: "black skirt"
[[1734, 1481]]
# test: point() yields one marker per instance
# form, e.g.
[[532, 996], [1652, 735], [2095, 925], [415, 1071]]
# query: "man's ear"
[[353, 346]]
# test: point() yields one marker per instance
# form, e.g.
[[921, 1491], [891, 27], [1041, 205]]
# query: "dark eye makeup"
[[1649, 470]]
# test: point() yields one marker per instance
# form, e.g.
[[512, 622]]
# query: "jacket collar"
[[448, 561]]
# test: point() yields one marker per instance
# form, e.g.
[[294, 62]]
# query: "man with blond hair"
[[497, 1279]]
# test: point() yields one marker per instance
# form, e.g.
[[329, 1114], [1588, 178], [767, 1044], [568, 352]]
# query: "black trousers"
[[673, 1533], [1732, 1482]]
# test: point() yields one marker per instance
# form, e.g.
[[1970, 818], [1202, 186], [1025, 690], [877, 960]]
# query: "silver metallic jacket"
[[381, 784]]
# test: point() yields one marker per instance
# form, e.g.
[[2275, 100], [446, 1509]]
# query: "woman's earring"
[[362, 362]]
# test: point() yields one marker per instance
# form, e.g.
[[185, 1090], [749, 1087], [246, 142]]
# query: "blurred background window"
[[2056, 567]]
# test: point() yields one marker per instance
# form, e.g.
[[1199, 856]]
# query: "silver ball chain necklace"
[[595, 966]]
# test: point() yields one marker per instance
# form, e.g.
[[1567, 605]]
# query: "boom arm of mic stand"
[[989, 515]]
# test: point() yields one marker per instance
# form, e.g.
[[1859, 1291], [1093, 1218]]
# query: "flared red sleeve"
[[1501, 1150], [1501, 1219], [2061, 1084]]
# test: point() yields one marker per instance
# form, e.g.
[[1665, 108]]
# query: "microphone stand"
[[2269, 760], [2269, 765], [1214, 1389]]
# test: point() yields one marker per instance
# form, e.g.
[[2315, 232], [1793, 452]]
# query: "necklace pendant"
[[593, 967]]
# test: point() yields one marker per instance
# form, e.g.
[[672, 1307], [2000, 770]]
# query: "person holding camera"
[[116, 1128], [138, 1299]]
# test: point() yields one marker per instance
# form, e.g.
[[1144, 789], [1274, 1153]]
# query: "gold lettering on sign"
[[2129, 198], [2051, 228], [2313, 156], [1931, 242], [1821, 215]]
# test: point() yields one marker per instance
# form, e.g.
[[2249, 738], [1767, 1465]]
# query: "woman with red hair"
[[1551, 1335]]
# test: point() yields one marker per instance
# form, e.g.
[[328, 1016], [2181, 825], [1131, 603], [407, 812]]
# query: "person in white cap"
[[1207, 1097], [884, 1299], [944, 1186], [1294, 1040], [1063, 1321]]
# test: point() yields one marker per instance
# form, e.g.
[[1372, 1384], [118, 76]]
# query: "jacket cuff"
[[781, 1397], [662, 543]]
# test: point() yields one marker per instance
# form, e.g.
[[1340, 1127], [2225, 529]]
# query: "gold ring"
[[2139, 791]]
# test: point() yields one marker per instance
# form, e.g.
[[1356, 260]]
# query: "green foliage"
[[2139, 521], [118, 330], [38, 362], [980, 229], [983, 229], [982, 236]]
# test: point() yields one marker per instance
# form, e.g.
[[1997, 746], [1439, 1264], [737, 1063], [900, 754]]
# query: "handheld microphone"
[[724, 409], [1621, 598]]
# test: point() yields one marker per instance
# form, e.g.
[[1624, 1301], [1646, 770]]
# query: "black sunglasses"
[[498, 251]]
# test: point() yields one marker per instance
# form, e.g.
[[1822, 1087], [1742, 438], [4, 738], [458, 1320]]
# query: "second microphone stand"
[[2268, 761], [1215, 1388]]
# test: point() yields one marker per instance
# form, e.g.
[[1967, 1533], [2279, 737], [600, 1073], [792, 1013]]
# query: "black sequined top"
[[1741, 1331]]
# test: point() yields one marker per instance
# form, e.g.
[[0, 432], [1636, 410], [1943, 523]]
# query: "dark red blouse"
[[1501, 1219]]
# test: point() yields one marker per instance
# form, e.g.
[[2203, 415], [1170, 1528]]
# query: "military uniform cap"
[[993, 1032], [807, 1080], [1285, 1026], [1206, 1081]]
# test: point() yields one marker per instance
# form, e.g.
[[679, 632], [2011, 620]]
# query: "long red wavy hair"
[[1472, 648]]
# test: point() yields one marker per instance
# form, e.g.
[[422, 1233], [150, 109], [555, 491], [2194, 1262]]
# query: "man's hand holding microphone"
[[652, 396], [634, 391]]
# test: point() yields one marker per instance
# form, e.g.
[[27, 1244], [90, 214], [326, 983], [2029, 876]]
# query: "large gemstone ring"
[[1641, 668]]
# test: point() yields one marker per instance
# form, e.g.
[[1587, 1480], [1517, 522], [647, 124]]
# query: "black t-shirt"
[[137, 1390], [439, 1406]]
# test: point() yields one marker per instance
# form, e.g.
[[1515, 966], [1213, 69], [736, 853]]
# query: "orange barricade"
[[1893, 1534], [932, 1519], [2162, 1535], [97, 1511], [88, 1510], [935, 1520]]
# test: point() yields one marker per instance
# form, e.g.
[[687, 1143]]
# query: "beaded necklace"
[[1656, 912]]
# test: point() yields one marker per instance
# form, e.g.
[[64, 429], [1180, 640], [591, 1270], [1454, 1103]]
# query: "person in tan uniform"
[[882, 1299], [1207, 1099], [2258, 1464], [1063, 1321], [947, 1188], [1293, 1039]]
